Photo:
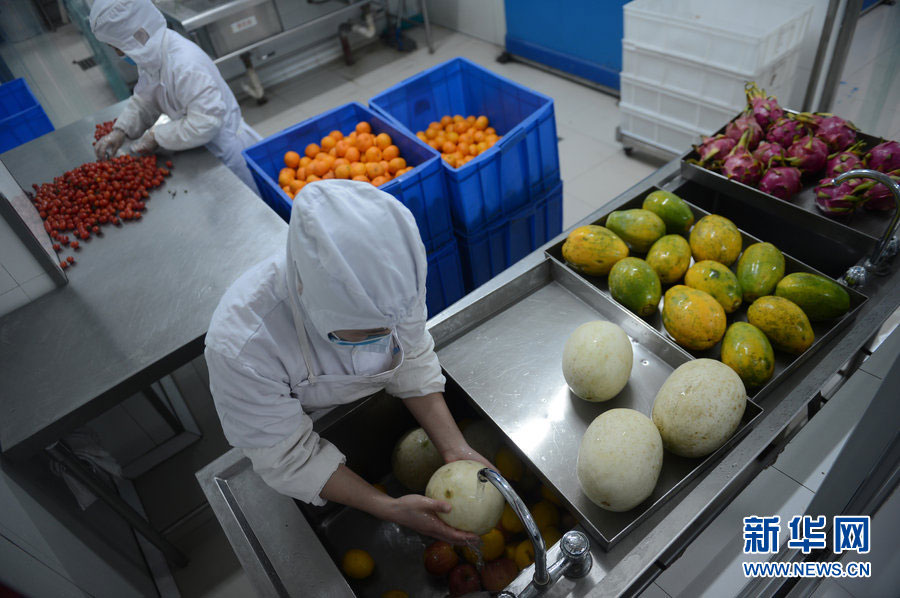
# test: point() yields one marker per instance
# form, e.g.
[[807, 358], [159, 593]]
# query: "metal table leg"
[[61, 453], [423, 8]]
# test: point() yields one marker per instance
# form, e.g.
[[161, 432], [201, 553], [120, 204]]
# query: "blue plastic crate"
[[517, 171], [484, 255], [21, 116], [444, 284], [423, 190]]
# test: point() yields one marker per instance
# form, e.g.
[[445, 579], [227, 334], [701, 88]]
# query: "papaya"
[[718, 281], [638, 228], [716, 238], [818, 297], [759, 270], [693, 318], [673, 210], [747, 351], [670, 257], [634, 284], [783, 322], [593, 249]]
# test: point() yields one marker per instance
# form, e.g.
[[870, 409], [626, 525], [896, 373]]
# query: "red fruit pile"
[[103, 129], [97, 193]]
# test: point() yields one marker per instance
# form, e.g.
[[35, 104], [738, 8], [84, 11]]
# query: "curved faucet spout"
[[884, 249]]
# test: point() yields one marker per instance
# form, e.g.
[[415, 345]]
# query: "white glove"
[[146, 144], [109, 144]]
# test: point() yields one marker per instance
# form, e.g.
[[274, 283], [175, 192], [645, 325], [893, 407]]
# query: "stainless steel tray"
[[784, 363], [862, 222], [511, 362]]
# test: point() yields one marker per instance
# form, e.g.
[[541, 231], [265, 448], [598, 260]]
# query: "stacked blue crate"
[[512, 183], [21, 116]]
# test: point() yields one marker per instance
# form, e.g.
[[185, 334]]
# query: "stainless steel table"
[[139, 298]]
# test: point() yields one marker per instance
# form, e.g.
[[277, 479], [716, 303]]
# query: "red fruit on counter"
[[884, 157], [440, 558], [765, 109], [837, 133]]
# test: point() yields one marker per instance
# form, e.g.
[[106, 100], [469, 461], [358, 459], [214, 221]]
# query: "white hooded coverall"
[[175, 78], [354, 260]]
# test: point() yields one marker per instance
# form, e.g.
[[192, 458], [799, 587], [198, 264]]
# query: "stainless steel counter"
[[139, 298], [653, 544]]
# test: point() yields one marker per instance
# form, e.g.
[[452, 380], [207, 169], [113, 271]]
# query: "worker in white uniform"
[[175, 78], [339, 317]]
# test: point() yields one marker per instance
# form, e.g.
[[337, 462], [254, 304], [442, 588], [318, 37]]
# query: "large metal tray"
[[864, 222], [511, 362], [784, 363]]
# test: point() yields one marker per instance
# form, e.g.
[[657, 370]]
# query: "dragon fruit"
[[840, 199], [879, 198], [765, 109], [809, 154], [767, 151], [740, 165], [714, 148], [837, 133], [781, 181], [745, 123], [786, 131], [841, 162], [884, 157]]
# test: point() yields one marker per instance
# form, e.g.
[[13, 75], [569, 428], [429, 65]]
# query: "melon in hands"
[[619, 459], [415, 459], [476, 505], [597, 360]]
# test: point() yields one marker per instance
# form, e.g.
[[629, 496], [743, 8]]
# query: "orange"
[[340, 161], [446, 120], [478, 136], [351, 137], [481, 122], [450, 159], [482, 146], [311, 150], [287, 190], [352, 155], [396, 165], [545, 514], [448, 148], [327, 159], [509, 465], [373, 154], [382, 140], [302, 173], [357, 169], [291, 159], [363, 127], [492, 547], [357, 564], [468, 159], [510, 521], [373, 169], [550, 496], [524, 554], [395, 594], [379, 181], [457, 118], [305, 160], [453, 136], [434, 125], [342, 171], [461, 127], [296, 186], [462, 149], [405, 170], [328, 175], [328, 143], [337, 135], [320, 167], [286, 176], [364, 141], [473, 150], [430, 134], [361, 177], [551, 536], [312, 179], [387, 176], [390, 152], [470, 120], [333, 152], [341, 147], [510, 553], [435, 144], [466, 138], [421, 135]]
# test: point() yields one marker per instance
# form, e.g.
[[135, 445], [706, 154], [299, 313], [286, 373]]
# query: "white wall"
[[484, 19], [22, 278], [807, 53]]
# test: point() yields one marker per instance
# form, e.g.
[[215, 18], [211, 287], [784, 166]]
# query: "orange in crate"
[[459, 139]]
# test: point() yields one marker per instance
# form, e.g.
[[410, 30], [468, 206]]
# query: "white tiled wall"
[[484, 19], [22, 278]]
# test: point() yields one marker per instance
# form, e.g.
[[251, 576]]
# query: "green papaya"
[[759, 270], [634, 284], [673, 210], [818, 297]]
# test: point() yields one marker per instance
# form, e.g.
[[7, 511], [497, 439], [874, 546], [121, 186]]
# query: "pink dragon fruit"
[[786, 131], [768, 151], [781, 181], [837, 133], [714, 148], [740, 165], [765, 109], [809, 154], [841, 162], [838, 200], [879, 198], [745, 123], [884, 157]]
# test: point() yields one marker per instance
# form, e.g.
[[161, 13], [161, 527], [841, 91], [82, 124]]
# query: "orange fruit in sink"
[[545, 514], [357, 564], [395, 594], [524, 554], [509, 465], [551, 536], [493, 546], [510, 521]]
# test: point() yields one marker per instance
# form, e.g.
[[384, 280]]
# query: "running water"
[[475, 547]]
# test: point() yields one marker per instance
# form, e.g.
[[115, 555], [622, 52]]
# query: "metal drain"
[[86, 63]]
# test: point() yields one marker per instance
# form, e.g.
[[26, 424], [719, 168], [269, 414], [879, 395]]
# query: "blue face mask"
[[380, 343], [129, 60]]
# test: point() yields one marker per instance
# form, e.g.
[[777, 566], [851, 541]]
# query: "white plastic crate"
[[734, 35], [702, 80], [657, 130], [695, 112]]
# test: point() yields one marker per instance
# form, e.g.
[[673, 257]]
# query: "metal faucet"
[[887, 247], [575, 546]]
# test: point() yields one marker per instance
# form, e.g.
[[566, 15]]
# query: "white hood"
[[355, 259], [135, 27]]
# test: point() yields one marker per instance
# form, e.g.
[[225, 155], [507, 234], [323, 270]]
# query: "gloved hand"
[[109, 144], [146, 144]]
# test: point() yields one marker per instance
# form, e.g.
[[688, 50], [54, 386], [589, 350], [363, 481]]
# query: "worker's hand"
[[109, 144], [419, 513], [463, 452], [146, 144]]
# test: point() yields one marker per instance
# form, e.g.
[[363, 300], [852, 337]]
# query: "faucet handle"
[[576, 550], [855, 276]]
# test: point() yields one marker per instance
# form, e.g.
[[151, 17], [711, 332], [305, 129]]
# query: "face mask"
[[129, 60], [374, 344]]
